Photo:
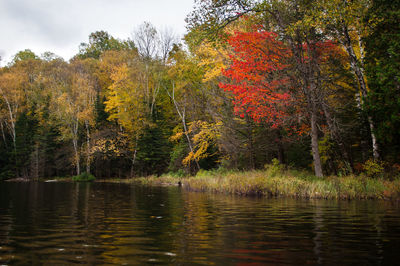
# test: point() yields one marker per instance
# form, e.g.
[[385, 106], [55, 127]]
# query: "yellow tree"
[[134, 83], [73, 105], [13, 86], [125, 103], [185, 77], [110, 60], [204, 136], [84, 83]]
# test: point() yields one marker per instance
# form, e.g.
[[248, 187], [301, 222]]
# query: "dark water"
[[65, 223]]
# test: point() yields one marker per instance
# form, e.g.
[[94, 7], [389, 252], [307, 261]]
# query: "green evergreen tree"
[[25, 127], [154, 148], [100, 109], [383, 70], [6, 160]]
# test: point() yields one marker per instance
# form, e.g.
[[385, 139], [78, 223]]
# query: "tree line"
[[314, 84]]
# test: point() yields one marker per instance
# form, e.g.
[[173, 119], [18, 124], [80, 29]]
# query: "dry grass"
[[278, 182]]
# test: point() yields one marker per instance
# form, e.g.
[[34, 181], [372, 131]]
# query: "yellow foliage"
[[213, 59], [207, 135], [124, 99], [177, 136]]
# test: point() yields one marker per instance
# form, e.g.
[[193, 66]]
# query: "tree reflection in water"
[[67, 223]]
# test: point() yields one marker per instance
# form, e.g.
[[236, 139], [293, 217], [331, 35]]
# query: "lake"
[[103, 223]]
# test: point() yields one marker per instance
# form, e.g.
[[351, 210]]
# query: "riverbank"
[[277, 183], [273, 182]]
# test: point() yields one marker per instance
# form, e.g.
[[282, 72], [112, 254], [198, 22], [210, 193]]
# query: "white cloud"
[[60, 26]]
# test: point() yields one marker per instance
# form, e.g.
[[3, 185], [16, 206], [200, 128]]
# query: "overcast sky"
[[59, 26]]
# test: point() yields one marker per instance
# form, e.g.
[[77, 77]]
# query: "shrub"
[[84, 177], [180, 173], [373, 168], [274, 168]]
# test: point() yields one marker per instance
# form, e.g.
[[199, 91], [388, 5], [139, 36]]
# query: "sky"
[[59, 26]]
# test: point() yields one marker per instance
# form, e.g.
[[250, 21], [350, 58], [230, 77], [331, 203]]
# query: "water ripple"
[[58, 224]]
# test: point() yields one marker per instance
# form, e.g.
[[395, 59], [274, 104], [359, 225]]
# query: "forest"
[[313, 84]]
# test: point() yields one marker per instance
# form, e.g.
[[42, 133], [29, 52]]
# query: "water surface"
[[67, 223]]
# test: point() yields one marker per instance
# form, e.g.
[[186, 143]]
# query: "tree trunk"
[[87, 147], [188, 138], [314, 144], [358, 70], [336, 136], [364, 143], [36, 175], [375, 146], [182, 114], [75, 127], [12, 129], [133, 161], [251, 143], [77, 165], [3, 134], [281, 151]]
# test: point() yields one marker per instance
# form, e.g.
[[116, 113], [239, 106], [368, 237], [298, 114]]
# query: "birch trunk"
[[77, 165], [12, 113], [358, 71], [181, 114], [87, 147], [75, 143]]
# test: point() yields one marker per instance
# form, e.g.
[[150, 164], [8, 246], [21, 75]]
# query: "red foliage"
[[259, 83], [259, 79]]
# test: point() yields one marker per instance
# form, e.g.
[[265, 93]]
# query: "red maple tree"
[[258, 76]]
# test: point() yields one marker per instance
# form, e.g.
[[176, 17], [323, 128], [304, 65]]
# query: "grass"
[[84, 177], [275, 181]]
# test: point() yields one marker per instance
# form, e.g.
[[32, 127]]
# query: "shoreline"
[[268, 183], [282, 183]]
